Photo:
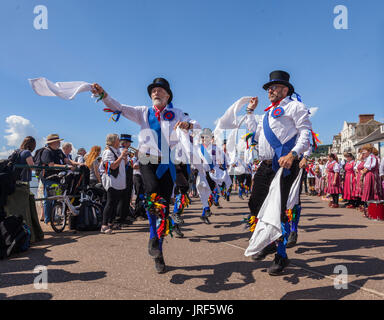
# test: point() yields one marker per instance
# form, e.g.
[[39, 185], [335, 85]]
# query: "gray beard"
[[157, 102]]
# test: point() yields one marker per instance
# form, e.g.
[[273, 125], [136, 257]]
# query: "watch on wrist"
[[295, 155]]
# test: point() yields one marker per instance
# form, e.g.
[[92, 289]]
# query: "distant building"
[[376, 138], [352, 133], [336, 145]]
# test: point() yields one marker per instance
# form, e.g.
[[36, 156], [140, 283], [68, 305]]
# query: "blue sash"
[[207, 156], [279, 148], [154, 124]]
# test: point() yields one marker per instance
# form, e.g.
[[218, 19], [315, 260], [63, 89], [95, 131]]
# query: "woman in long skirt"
[[333, 178], [371, 186], [349, 180]]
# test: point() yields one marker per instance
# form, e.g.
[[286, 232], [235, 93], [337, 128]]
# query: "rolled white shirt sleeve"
[[303, 125], [251, 122]]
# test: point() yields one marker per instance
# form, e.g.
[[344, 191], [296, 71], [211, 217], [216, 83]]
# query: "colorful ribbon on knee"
[[156, 206]]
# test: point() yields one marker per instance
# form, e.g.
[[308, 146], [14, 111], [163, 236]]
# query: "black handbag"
[[114, 172]]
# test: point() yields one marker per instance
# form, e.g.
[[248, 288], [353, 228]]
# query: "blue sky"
[[212, 52]]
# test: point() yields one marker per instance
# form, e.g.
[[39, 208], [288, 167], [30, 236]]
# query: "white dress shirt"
[[295, 121], [139, 115], [381, 170]]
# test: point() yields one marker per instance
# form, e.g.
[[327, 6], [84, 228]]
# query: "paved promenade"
[[209, 263]]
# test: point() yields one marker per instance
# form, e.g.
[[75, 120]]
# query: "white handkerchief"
[[268, 227], [64, 90]]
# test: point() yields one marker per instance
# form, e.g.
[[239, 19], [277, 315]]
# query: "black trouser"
[[241, 178], [110, 209], [182, 178], [211, 183], [248, 180], [305, 181], [152, 184], [139, 190], [230, 188], [125, 201], [261, 183]]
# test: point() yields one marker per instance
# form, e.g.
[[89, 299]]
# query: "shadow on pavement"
[[314, 216], [220, 238], [356, 265], [27, 296], [18, 270], [339, 245], [219, 280], [319, 227]]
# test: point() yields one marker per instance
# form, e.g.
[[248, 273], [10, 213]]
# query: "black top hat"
[[279, 77], [162, 83], [126, 137]]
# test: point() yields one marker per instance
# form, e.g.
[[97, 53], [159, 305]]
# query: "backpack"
[[37, 160], [89, 218], [15, 236], [8, 167]]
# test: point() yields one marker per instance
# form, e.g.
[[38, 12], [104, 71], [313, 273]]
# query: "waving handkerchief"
[[64, 90]]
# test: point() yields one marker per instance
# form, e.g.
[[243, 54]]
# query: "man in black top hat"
[[155, 143], [283, 136]]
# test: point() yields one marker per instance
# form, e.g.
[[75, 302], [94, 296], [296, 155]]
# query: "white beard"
[[157, 102]]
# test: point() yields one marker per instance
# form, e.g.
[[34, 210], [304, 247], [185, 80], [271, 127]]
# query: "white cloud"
[[313, 111], [18, 129]]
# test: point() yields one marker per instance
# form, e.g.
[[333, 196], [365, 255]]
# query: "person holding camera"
[[113, 179]]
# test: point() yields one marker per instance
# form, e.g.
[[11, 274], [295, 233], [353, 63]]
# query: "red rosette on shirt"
[[169, 116], [277, 112]]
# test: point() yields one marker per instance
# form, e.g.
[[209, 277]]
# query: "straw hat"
[[53, 138]]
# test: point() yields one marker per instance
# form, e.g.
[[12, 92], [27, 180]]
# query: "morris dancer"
[[205, 185], [155, 142], [282, 135]]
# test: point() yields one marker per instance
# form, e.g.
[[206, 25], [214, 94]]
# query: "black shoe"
[[153, 248], [177, 218], [205, 220], [160, 264], [178, 231], [278, 265], [292, 239], [271, 248]]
